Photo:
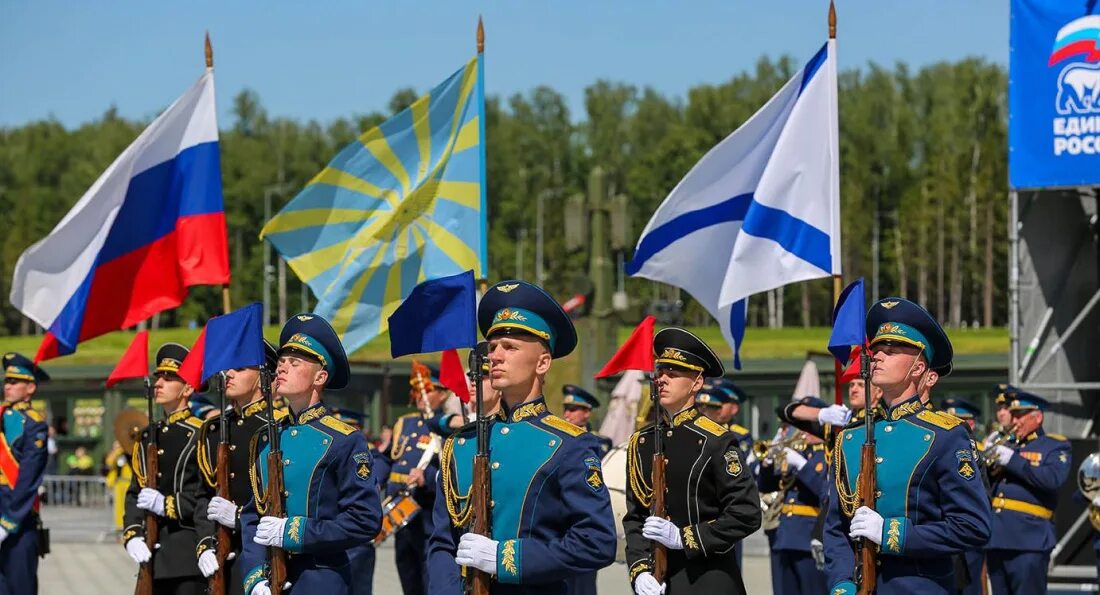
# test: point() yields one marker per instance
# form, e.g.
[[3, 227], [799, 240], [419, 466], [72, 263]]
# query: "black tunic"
[[178, 479], [709, 494], [241, 427]]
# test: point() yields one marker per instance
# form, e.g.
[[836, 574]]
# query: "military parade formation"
[[281, 493]]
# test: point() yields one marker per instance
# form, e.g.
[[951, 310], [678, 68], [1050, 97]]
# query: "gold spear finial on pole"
[[832, 20], [209, 53], [480, 36]]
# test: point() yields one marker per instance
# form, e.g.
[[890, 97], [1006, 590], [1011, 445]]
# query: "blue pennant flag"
[[234, 340], [849, 322], [438, 315]]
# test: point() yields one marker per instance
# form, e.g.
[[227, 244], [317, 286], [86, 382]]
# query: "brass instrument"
[[767, 449], [995, 439], [1088, 481], [128, 425]]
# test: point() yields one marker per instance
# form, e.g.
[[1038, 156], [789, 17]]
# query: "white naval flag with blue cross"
[[760, 210]]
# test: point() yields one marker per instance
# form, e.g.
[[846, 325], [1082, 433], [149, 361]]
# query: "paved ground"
[[94, 569]]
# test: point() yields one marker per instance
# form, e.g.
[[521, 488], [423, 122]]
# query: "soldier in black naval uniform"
[[576, 408], [174, 493], [22, 467], [246, 415], [711, 497], [1025, 494]]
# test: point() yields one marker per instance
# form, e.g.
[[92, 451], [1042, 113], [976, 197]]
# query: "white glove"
[[139, 552], [270, 531], [1004, 454], [1095, 502], [477, 551], [208, 564], [151, 500], [3, 534], [261, 588], [866, 523], [834, 415], [663, 532], [645, 584], [795, 460], [223, 511]]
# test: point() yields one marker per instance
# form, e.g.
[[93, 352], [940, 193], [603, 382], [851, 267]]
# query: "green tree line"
[[923, 182]]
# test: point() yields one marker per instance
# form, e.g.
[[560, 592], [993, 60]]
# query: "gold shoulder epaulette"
[[738, 429], [337, 425], [194, 422], [35, 415], [1058, 437], [938, 419], [709, 425], [560, 424], [280, 414]]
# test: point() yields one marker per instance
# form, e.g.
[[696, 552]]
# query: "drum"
[[614, 475], [397, 511]]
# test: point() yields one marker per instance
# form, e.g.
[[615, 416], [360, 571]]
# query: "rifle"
[[657, 506], [152, 530], [222, 542], [276, 507], [865, 548], [479, 580]]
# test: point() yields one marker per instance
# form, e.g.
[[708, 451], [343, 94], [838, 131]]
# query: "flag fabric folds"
[[233, 340], [134, 363], [636, 353], [760, 210], [452, 376], [403, 204], [849, 326], [150, 227], [438, 315]]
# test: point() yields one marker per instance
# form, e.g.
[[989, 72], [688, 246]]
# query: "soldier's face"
[[1027, 421], [169, 389], [729, 410], [577, 416], [18, 390], [714, 412], [676, 387], [516, 360], [241, 384], [437, 397], [896, 365], [297, 376], [856, 394], [1004, 416]]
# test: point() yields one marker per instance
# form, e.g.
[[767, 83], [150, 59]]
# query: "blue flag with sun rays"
[[403, 204]]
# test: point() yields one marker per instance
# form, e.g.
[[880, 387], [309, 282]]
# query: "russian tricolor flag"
[[150, 227]]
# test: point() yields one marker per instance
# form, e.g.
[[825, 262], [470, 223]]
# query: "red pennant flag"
[[191, 368], [851, 371], [134, 363], [452, 376], [635, 354]]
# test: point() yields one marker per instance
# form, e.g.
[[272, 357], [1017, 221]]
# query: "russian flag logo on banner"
[[149, 228]]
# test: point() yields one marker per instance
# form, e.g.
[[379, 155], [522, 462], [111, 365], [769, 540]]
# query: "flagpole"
[[837, 285], [484, 260], [208, 51]]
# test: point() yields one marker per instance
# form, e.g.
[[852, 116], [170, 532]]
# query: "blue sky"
[[323, 60]]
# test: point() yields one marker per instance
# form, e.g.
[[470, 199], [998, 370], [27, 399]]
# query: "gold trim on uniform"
[[560, 424], [639, 567], [342, 427], [685, 416], [710, 426], [528, 410], [938, 419], [179, 415], [254, 408], [906, 410], [170, 507], [311, 415], [893, 536], [689, 539], [508, 556]]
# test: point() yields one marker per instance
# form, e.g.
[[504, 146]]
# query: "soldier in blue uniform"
[[1025, 494], [551, 511], [801, 478], [969, 580], [22, 466], [577, 406], [331, 495], [930, 502], [711, 497], [408, 468], [246, 415]]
